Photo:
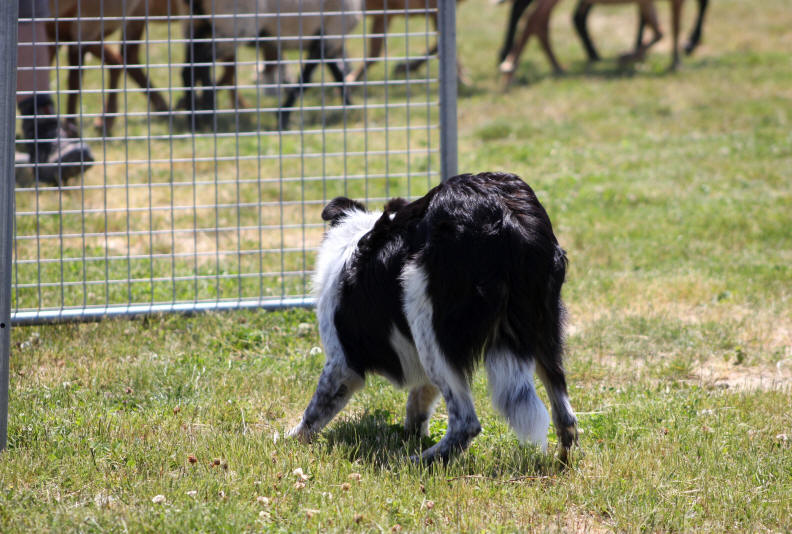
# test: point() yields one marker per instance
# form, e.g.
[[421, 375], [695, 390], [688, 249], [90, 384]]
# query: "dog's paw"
[[300, 433], [424, 460], [569, 439]]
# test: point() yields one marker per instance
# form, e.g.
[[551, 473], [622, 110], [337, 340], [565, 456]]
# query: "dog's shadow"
[[372, 438]]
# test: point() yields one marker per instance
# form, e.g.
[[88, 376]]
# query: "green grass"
[[671, 194]]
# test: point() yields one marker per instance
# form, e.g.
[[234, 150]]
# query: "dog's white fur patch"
[[338, 246], [414, 374], [339, 243], [418, 310], [511, 382]]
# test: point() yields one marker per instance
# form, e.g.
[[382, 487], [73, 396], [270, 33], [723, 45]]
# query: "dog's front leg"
[[336, 385]]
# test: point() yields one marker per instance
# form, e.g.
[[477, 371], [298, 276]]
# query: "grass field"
[[671, 194]]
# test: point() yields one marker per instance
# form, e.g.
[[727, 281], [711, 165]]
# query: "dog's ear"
[[395, 204], [338, 208]]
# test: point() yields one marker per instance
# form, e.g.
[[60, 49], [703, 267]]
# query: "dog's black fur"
[[493, 271], [487, 245]]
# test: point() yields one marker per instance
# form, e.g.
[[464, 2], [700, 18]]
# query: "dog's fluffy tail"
[[511, 382]]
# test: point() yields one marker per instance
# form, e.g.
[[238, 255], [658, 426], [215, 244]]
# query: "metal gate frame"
[[8, 50], [8, 28]]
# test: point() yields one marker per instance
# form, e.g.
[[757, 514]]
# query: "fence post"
[[448, 88], [8, 54]]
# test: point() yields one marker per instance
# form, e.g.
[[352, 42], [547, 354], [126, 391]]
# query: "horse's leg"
[[411, 66], [641, 29], [543, 32], [518, 8], [130, 51], [228, 81], [676, 19], [197, 56], [75, 55], [579, 18], [648, 15], [538, 22], [376, 43], [336, 66], [415, 64], [284, 114], [509, 63], [695, 35], [271, 73], [104, 123]]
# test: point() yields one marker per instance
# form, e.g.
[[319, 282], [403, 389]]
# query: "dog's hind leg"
[[336, 385], [420, 406], [463, 424], [564, 418], [511, 382]]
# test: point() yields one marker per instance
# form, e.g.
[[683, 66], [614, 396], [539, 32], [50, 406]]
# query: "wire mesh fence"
[[208, 136]]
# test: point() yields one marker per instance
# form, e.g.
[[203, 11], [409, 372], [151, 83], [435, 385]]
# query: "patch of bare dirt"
[[726, 375]]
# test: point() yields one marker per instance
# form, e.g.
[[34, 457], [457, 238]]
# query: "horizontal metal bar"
[[330, 178], [165, 231], [92, 314], [242, 111], [239, 39], [168, 255], [242, 135], [169, 208], [163, 279], [259, 15]]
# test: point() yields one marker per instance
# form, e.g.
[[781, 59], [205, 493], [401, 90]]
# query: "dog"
[[424, 291]]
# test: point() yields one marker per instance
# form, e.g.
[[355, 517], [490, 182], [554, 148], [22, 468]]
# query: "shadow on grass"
[[372, 438], [605, 69]]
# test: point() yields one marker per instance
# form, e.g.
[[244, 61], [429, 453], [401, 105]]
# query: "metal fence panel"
[[218, 207]]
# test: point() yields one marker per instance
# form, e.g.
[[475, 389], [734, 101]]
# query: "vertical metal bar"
[[172, 177], [8, 51], [234, 90], [428, 85], [446, 43], [261, 59], [407, 92], [149, 174]]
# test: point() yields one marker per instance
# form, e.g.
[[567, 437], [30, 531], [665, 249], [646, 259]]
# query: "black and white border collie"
[[425, 290]]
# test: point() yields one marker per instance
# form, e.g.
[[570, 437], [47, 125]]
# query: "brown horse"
[[538, 23]]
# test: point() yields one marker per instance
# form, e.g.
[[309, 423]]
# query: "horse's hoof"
[[103, 126], [506, 66]]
